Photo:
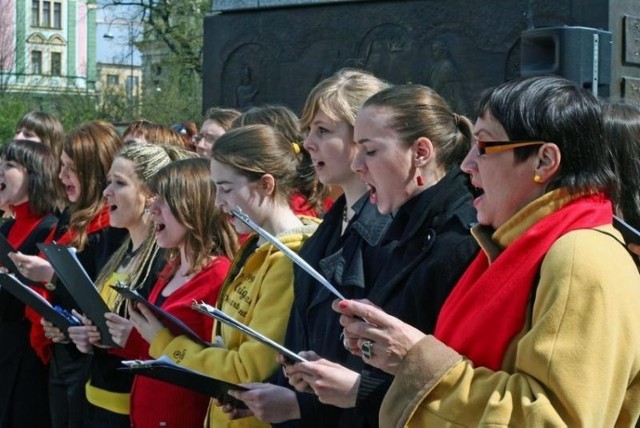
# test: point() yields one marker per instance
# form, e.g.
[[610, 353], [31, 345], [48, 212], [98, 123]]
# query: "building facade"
[[48, 46]]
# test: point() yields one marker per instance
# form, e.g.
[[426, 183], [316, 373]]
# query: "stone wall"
[[256, 53]]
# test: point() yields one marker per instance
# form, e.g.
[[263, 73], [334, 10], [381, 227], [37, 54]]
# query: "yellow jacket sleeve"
[[242, 359], [578, 365]]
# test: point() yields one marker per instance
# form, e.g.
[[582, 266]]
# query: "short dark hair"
[[553, 109], [622, 127], [37, 159]]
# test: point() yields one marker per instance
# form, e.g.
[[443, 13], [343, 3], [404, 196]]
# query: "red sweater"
[[153, 401]]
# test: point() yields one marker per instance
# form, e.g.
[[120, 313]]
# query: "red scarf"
[[39, 343], [97, 223], [487, 307], [25, 223]]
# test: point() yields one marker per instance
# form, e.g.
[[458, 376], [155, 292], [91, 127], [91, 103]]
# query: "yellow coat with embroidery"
[[260, 296]]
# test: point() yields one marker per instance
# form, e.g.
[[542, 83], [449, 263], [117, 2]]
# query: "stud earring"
[[420, 180], [537, 179], [147, 211]]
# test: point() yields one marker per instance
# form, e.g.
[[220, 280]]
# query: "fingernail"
[[343, 304]]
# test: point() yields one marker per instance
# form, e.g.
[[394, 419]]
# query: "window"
[[112, 79], [36, 62], [132, 85], [46, 14], [56, 64], [35, 13], [57, 15]]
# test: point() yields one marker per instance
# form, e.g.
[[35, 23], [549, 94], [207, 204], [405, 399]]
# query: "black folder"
[[223, 317], [5, 249], [165, 370], [175, 326], [77, 282], [630, 234], [58, 316]]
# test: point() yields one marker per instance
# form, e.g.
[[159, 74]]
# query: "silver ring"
[[367, 349]]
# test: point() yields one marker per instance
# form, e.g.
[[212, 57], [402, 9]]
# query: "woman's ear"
[[547, 162], [423, 151], [268, 184], [148, 200]]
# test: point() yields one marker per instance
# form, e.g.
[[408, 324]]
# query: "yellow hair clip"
[[296, 147]]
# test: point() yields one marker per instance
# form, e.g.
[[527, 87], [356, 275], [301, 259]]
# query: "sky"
[[113, 21]]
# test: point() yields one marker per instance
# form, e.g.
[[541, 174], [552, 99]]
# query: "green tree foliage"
[[171, 47], [71, 109]]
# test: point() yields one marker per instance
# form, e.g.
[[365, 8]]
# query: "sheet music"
[[76, 280], [166, 370], [175, 325], [237, 212], [223, 317]]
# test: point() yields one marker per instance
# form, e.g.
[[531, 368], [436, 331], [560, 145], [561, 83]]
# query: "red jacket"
[[153, 401]]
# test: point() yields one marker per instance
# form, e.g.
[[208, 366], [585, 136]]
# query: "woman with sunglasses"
[[542, 329]]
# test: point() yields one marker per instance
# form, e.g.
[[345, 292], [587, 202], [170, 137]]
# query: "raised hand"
[[383, 340]]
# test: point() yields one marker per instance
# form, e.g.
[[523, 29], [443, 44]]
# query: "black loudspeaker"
[[580, 54]]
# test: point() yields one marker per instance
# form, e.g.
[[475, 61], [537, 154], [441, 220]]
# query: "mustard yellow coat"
[[260, 296], [577, 365]]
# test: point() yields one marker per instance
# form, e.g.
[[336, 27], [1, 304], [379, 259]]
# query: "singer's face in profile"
[[331, 147], [504, 186], [125, 194], [69, 177], [14, 181], [236, 190], [382, 161], [170, 233]]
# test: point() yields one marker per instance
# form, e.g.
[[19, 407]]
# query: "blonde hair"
[[341, 96], [147, 160]]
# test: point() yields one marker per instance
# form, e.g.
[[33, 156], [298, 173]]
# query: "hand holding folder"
[[166, 370], [175, 326], [75, 279], [5, 249], [224, 318], [57, 315]]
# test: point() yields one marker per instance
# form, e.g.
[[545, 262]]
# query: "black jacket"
[[430, 248], [409, 274], [24, 399]]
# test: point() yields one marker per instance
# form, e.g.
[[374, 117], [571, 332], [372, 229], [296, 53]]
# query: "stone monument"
[[274, 51]]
